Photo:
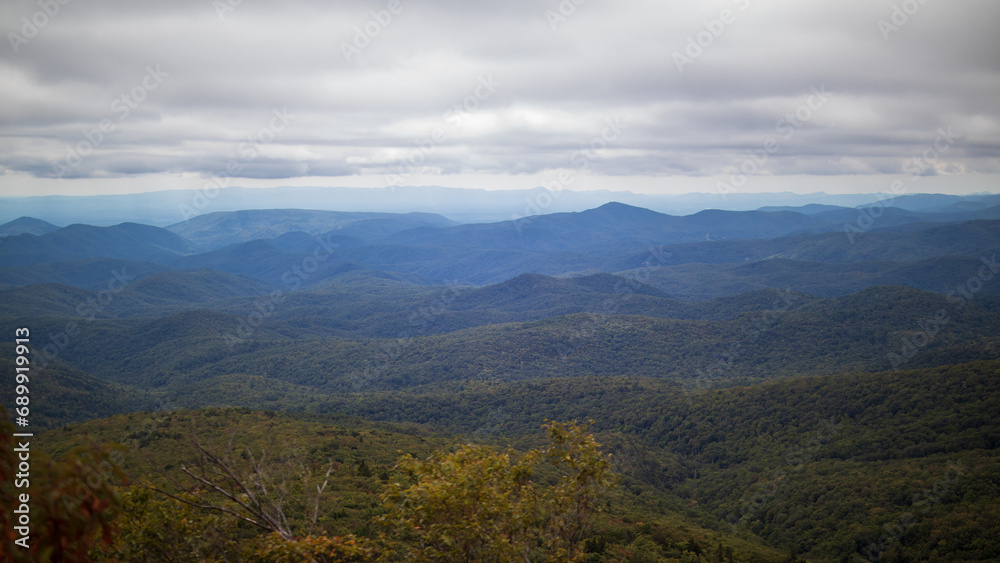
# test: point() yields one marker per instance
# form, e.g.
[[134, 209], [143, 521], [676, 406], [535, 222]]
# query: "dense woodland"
[[778, 391]]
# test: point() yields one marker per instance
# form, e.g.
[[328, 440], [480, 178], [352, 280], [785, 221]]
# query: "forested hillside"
[[759, 386]]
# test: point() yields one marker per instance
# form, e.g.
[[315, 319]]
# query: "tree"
[[587, 474], [71, 502], [478, 504], [157, 529], [259, 491], [473, 504]]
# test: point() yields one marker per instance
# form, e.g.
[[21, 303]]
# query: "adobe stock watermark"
[[31, 27], [915, 167], [930, 327], [453, 118], [785, 127], [367, 32], [751, 332], [138, 435], [420, 324], [797, 457], [122, 107], [581, 160], [564, 10], [621, 294], [223, 7], [88, 310], [921, 504], [293, 277], [704, 39], [492, 426], [248, 151], [899, 16]]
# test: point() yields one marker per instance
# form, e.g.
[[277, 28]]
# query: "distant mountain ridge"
[[130, 241], [612, 228], [216, 230], [612, 238], [972, 238], [162, 208], [26, 225]]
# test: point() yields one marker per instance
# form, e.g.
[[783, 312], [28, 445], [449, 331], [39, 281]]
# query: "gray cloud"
[[223, 77]]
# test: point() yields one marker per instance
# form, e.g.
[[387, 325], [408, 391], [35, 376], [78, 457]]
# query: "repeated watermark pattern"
[[899, 16], [138, 435], [612, 305], [366, 33], [915, 166], [453, 117], [922, 503], [796, 457], [248, 151], [492, 426], [420, 323], [54, 343], [562, 12], [931, 326], [292, 278], [704, 39], [751, 332], [122, 107], [786, 127], [32, 26], [581, 159], [223, 7]]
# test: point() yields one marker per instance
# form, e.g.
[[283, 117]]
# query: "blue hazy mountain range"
[[712, 253], [163, 208]]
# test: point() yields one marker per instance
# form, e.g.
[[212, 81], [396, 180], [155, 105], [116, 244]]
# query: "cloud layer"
[[398, 88]]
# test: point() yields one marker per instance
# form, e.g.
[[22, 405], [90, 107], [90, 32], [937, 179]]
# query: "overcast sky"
[[649, 96]]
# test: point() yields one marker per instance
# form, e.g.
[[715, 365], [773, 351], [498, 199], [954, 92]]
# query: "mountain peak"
[[617, 207], [26, 225], [624, 211]]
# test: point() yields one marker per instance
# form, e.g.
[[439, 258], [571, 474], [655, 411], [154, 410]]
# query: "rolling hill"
[[771, 387], [128, 241], [786, 335], [697, 281], [90, 273], [26, 225], [974, 239], [819, 467], [612, 228], [216, 230]]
